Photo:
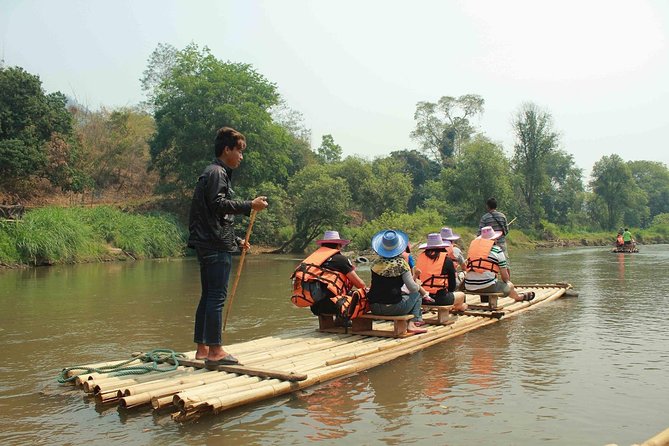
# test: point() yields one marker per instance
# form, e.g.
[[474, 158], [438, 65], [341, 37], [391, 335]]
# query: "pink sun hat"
[[447, 234], [332, 237], [488, 233], [434, 240]]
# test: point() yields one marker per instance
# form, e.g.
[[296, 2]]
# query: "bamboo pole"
[[661, 439], [239, 269]]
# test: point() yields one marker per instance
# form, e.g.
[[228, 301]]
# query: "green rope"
[[154, 357]]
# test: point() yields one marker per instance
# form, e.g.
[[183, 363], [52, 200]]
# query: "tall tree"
[[320, 202], [115, 148], [612, 182], [36, 135], [443, 127], [563, 202], [388, 188], [329, 152], [653, 178], [481, 171], [421, 169], [192, 94], [535, 141]]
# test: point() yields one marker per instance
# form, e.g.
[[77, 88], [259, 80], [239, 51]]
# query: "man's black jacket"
[[212, 210]]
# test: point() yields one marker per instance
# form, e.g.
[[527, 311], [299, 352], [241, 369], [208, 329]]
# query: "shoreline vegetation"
[[67, 235]]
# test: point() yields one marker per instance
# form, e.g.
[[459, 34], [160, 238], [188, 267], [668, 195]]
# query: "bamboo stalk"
[[191, 406], [233, 290], [661, 439], [137, 397]]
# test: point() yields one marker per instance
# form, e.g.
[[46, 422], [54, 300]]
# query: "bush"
[[68, 235], [55, 235]]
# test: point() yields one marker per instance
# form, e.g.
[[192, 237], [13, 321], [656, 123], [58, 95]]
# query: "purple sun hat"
[[447, 234], [434, 240], [332, 237]]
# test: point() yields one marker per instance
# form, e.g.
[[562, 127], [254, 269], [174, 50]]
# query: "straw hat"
[[487, 232], [332, 237], [389, 243], [447, 234], [434, 240]]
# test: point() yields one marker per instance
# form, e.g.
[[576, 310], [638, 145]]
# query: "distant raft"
[[623, 250], [282, 364]]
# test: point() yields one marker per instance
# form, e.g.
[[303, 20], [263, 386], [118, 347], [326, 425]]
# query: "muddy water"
[[580, 371]]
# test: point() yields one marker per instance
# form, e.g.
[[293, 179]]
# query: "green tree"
[[563, 201], [329, 152], [354, 171], [653, 178], [443, 127], [421, 169], [192, 94], [480, 172], [388, 188], [36, 134], [613, 184], [320, 202], [535, 141]]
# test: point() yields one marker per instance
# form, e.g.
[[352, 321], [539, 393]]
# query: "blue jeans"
[[215, 268], [410, 304]]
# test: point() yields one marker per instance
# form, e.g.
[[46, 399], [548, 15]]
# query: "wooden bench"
[[443, 314], [486, 298], [326, 323], [363, 325]]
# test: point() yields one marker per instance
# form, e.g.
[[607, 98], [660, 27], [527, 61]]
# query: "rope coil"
[[155, 357]]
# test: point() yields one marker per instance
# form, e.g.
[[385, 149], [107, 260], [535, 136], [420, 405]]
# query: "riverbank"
[[57, 235]]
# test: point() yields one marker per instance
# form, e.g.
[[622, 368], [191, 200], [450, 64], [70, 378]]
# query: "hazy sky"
[[356, 69]]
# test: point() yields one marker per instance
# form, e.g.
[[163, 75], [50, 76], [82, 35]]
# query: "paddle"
[[239, 269]]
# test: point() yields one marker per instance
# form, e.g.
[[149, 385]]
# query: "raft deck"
[[278, 365]]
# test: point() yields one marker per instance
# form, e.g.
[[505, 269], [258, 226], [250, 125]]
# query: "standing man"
[[498, 222], [211, 233]]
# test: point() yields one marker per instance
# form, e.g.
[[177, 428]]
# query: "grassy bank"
[[54, 235]]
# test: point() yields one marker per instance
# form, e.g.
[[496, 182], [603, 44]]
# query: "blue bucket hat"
[[389, 243]]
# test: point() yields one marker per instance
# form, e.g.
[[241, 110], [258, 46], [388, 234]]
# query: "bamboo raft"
[[278, 365]]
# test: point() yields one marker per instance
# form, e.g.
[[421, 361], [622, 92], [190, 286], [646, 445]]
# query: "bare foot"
[[216, 352], [202, 351]]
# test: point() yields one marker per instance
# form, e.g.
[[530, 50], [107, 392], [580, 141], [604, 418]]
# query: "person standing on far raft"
[[498, 222], [211, 233]]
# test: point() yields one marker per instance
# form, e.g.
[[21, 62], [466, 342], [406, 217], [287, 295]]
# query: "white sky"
[[357, 68]]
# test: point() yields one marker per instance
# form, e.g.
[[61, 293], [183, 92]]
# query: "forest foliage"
[[155, 151]]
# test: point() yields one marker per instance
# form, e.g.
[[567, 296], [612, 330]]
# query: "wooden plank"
[[443, 314], [242, 370]]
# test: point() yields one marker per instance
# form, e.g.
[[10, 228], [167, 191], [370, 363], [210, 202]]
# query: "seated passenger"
[[486, 269], [389, 272], [324, 275], [415, 273], [438, 272], [457, 256], [619, 239]]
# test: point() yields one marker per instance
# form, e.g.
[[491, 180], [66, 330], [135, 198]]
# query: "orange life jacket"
[[350, 306], [477, 256], [620, 241], [430, 272], [310, 270]]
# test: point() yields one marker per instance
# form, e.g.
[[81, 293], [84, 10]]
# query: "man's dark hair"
[[491, 203], [228, 137], [330, 245]]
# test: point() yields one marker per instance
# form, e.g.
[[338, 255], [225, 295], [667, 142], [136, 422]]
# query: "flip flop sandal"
[[417, 330], [529, 296], [226, 360]]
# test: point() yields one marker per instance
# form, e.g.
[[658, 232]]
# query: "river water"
[[589, 370]]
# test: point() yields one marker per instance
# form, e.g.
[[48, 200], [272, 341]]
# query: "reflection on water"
[[586, 370]]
